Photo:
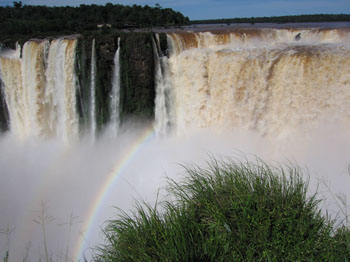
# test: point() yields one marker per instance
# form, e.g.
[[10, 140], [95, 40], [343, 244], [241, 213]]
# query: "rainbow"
[[111, 179]]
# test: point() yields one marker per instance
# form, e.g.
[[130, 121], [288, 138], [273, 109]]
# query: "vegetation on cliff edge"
[[40, 21], [280, 19]]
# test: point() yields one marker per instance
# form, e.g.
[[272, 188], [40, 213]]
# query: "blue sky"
[[211, 9]]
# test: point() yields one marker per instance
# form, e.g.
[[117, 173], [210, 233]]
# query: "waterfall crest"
[[257, 37], [263, 80]]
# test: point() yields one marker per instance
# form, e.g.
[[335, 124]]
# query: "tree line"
[[28, 20], [280, 19]]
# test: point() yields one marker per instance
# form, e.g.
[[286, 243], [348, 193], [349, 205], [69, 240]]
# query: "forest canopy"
[[280, 19], [36, 21]]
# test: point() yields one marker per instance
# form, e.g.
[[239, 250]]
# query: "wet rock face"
[[105, 46], [137, 83], [137, 75], [137, 92], [3, 112]]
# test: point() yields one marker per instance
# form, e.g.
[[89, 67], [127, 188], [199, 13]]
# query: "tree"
[[17, 5]]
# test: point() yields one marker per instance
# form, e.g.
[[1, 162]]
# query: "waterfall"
[[163, 85], [60, 91], [263, 80], [115, 94], [92, 91], [34, 81], [11, 76], [271, 81], [40, 89], [24, 83]]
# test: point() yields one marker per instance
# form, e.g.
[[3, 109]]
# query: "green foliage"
[[279, 19], [228, 212], [35, 21], [342, 243], [17, 5]]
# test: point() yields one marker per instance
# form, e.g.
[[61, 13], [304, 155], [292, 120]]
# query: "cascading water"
[[60, 92], [11, 76], [268, 80], [163, 103], [115, 94], [40, 89], [34, 81], [272, 81], [92, 91]]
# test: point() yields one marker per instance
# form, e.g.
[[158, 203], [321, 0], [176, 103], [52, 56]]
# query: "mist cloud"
[[69, 179]]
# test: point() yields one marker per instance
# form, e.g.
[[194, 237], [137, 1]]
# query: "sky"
[[215, 9]]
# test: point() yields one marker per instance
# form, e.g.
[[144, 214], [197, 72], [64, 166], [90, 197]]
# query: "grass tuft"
[[229, 211]]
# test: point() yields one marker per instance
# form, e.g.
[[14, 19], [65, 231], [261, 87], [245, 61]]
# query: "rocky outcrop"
[[137, 92], [137, 71], [105, 47], [3, 112]]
